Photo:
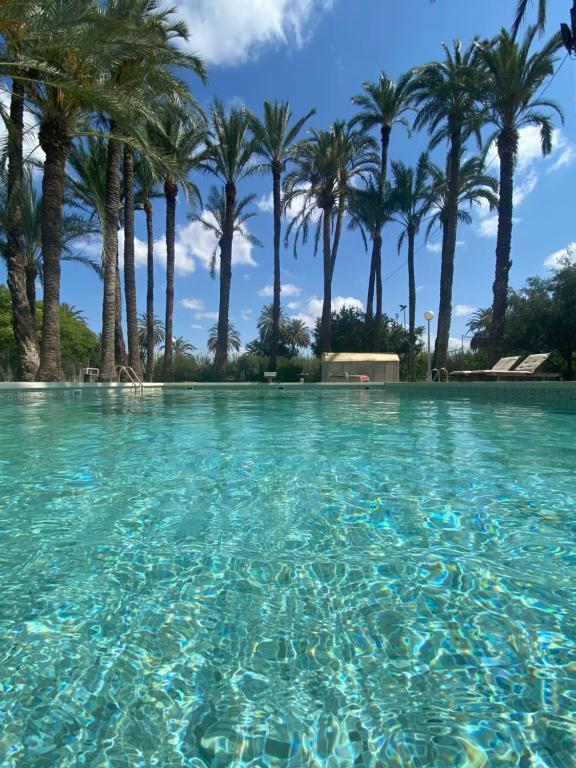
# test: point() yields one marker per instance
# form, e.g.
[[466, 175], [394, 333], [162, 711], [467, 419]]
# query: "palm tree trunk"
[[170, 192], [326, 322], [22, 314], [149, 292], [31, 277], [507, 143], [56, 143], [225, 281], [110, 251], [385, 132], [371, 283], [337, 234], [119, 344], [411, 303], [277, 286], [449, 234], [129, 265], [378, 281]]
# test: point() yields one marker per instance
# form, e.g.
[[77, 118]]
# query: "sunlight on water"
[[287, 578]]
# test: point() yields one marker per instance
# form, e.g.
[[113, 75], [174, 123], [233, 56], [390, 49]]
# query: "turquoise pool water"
[[287, 578]]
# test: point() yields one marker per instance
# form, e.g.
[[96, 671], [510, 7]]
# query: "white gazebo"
[[351, 366]]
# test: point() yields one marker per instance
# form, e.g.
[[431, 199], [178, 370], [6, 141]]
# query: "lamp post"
[[429, 315]]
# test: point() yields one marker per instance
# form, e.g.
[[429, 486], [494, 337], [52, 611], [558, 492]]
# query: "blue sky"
[[317, 53]]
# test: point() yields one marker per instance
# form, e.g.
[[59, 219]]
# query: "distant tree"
[[296, 335], [183, 348], [233, 336]]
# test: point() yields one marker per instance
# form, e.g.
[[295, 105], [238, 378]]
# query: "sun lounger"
[[351, 377], [528, 369], [504, 364]]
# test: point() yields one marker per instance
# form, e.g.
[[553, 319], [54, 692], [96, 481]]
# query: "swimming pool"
[[287, 578]]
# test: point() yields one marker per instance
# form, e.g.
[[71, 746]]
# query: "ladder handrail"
[[133, 377]]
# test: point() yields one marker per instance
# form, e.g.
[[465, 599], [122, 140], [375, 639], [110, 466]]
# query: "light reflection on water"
[[287, 578]]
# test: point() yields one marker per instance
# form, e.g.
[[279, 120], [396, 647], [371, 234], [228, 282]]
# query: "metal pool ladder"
[[132, 377]]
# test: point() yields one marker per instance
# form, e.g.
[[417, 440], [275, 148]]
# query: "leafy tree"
[[157, 338], [182, 348], [351, 333], [510, 95], [275, 142], [228, 157]]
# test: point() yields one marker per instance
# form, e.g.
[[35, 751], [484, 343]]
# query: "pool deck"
[[512, 390]]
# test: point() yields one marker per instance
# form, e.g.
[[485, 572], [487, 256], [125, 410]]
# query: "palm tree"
[[142, 68], [328, 164], [382, 105], [147, 179], [180, 139], [228, 156], [265, 323], [87, 190], [411, 201], [369, 211], [274, 141], [521, 12], [182, 348], [232, 339], [14, 23], [313, 185], [73, 227], [510, 94], [144, 336], [446, 93], [213, 219], [296, 335]]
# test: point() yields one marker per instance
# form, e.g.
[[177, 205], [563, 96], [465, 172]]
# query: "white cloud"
[[488, 227], [288, 289], [313, 308], [232, 31], [463, 310], [246, 314], [196, 327], [206, 316], [265, 203], [294, 305], [565, 158], [524, 187], [559, 258], [196, 304], [434, 247]]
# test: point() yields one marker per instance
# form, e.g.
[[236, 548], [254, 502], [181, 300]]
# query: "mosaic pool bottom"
[[287, 578]]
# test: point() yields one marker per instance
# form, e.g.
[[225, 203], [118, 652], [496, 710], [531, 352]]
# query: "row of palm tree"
[[85, 69]]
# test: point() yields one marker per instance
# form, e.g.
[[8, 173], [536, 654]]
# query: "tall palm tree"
[[446, 95], [382, 105], [369, 211], [475, 186], [513, 80], [410, 202], [313, 186], [87, 190], [274, 142], [14, 22], [232, 339], [229, 156], [181, 139], [147, 178], [213, 219], [143, 68], [295, 335], [328, 165]]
